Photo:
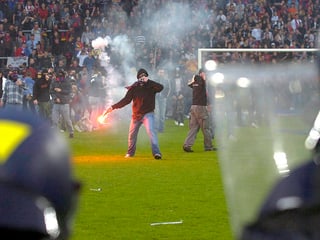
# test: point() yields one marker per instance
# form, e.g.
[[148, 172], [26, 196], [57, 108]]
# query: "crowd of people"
[[56, 36]]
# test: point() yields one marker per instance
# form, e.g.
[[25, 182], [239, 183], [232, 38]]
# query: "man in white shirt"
[[81, 56], [296, 23], [257, 32]]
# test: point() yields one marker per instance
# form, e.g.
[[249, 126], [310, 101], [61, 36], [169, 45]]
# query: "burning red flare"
[[102, 118]]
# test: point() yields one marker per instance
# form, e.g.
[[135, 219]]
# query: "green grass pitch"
[[137, 192]]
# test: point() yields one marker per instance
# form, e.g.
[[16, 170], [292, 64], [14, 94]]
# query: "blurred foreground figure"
[[292, 209], [38, 195]]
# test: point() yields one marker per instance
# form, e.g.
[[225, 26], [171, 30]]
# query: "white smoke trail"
[[116, 80], [164, 28]]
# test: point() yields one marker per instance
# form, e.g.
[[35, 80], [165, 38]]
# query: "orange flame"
[[102, 118]]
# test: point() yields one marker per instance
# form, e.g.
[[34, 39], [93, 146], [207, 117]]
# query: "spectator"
[[13, 32], [221, 18], [28, 94], [23, 50], [60, 91], [21, 38], [1, 15], [27, 22], [81, 55], [78, 45], [257, 32], [51, 21], [43, 14], [45, 62], [64, 13], [56, 44], [74, 66], [41, 95], [34, 56], [8, 44], [161, 99], [36, 31], [18, 14], [32, 68], [11, 8], [90, 63], [64, 34], [30, 9], [87, 19], [292, 10], [12, 97], [87, 36], [96, 97], [76, 23], [98, 30], [61, 65], [178, 97], [31, 43], [295, 23]]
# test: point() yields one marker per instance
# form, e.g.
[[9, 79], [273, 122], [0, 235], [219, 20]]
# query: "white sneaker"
[[181, 124], [176, 123], [128, 155]]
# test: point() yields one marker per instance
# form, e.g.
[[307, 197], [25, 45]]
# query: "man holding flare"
[[142, 94]]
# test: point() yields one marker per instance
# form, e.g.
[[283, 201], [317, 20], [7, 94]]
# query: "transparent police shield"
[[262, 117]]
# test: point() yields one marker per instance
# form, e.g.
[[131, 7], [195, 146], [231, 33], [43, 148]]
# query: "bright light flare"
[[216, 78], [281, 161], [243, 82], [102, 119], [211, 65]]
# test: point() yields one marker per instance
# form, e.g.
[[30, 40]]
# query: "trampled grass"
[[139, 191]]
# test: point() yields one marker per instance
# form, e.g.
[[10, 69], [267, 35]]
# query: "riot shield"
[[262, 116]]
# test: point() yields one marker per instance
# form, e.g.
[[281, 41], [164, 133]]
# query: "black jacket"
[[41, 90], [64, 95], [199, 91], [143, 97]]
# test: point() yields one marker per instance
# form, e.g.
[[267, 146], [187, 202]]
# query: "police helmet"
[[37, 191]]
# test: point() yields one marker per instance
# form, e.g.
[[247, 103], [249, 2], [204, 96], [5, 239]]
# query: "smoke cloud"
[[164, 28]]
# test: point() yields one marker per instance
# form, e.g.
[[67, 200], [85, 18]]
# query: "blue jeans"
[[63, 110], [148, 122]]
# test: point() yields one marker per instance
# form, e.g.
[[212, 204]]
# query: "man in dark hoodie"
[[41, 95], [142, 95]]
